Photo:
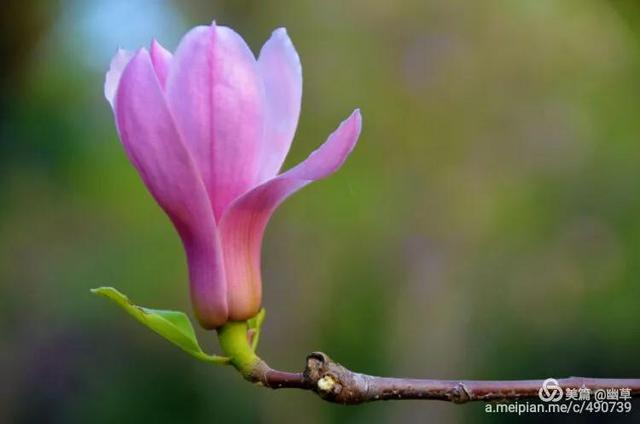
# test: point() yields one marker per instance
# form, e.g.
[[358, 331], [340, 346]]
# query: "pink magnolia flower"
[[208, 129]]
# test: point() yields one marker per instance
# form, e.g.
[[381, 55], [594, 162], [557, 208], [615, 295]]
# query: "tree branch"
[[335, 383]]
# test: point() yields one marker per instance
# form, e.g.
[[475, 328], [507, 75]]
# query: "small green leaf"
[[172, 325], [255, 325]]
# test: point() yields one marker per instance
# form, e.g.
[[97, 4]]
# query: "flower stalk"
[[235, 343]]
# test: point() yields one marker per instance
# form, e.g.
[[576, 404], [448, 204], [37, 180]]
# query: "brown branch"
[[335, 383]]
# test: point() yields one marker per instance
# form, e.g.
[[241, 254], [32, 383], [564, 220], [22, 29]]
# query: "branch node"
[[333, 382], [460, 394]]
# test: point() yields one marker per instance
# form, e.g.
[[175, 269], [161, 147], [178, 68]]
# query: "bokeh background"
[[487, 225]]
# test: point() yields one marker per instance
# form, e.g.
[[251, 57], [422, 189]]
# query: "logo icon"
[[550, 391]]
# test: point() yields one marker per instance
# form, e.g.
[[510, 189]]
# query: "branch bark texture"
[[337, 384]]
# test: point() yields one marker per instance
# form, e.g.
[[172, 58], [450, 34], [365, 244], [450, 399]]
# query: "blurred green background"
[[487, 226]]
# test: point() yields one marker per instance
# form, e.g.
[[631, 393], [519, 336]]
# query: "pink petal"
[[161, 59], [112, 79], [153, 145], [243, 223], [281, 72], [216, 95]]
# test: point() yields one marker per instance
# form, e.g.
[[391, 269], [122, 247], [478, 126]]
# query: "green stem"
[[235, 344]]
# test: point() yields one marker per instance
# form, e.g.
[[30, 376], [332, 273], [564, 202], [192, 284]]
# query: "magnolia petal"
[[243, 223], [216, 95], [161, 59], [281, 72], [112, 79], [153, 145]]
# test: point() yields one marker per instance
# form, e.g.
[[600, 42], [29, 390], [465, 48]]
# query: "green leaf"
[[172, 325], [255, 325]]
